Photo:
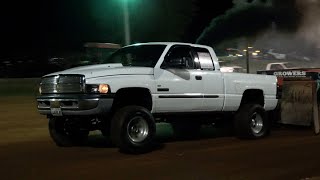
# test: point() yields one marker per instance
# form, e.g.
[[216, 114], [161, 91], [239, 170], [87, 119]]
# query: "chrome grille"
[[63, 84]]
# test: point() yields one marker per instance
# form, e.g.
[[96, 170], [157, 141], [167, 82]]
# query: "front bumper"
[[74, 104]]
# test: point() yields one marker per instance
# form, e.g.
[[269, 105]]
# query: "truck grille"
[[63, 84]]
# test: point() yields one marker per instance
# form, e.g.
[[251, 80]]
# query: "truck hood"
[[100, 70]]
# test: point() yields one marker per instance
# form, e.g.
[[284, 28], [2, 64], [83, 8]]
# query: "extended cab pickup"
[[142, 84]]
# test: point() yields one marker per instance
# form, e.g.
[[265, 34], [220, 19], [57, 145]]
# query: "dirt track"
[[27, 152]]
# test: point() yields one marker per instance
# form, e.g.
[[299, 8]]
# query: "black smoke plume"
[[251, 18]]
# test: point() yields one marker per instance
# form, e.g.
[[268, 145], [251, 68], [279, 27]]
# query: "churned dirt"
[[27, 152]]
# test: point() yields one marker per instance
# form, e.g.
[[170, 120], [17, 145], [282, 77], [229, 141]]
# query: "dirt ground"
[[27, 152]]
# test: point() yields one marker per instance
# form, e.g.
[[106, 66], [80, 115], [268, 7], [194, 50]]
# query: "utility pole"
[[126, 22], [247, 57]]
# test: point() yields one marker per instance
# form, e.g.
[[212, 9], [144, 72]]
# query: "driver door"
[[179, 86]]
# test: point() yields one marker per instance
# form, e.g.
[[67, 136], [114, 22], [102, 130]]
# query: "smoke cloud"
[[244, 19], [310, 26], [290, 26], [297, 34]]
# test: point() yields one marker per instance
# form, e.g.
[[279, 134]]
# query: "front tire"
[[251, 122], [133, 129], [66, 132]]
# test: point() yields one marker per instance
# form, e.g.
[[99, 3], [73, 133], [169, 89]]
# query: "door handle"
[[198, 77]]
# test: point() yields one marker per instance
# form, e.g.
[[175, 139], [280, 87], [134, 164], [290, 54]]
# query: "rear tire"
[[65, 132], [133, 129], [251, 122]]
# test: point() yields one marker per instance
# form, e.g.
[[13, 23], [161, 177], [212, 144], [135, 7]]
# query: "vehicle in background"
[[97, 53], [234, 52], [59, 61], [281, 65], [272, 54], [296, 56], [94, 53], [238, 69], [227, 66], [241, 54]]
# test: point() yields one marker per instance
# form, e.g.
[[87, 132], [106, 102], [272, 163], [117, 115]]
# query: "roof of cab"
[[169, 43]]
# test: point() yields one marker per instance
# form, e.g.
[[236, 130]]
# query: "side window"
[[276, 66], [179, 57], [204, 58]]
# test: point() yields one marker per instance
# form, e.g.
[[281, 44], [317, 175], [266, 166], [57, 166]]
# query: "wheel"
[[251, 122], [133, 129], [185, 129], [66, 132]]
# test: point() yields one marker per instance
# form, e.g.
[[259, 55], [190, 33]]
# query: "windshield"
[[290, 65], [140, 55]]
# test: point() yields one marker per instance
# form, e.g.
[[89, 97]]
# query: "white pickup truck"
[[143, 84]]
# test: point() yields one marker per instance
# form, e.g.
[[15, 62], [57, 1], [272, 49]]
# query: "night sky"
[[53, 27]]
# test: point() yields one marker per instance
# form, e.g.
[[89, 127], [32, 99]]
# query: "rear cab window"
[[203, 59]]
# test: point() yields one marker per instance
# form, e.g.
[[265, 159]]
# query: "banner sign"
[[294, 73]]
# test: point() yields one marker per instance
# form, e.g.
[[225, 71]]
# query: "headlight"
[[104, 88], [98, 88]]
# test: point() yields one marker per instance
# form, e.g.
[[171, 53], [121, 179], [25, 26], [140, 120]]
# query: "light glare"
[[103, 88]]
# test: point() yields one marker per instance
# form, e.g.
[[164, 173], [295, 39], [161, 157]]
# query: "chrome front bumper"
[[77, 104]]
